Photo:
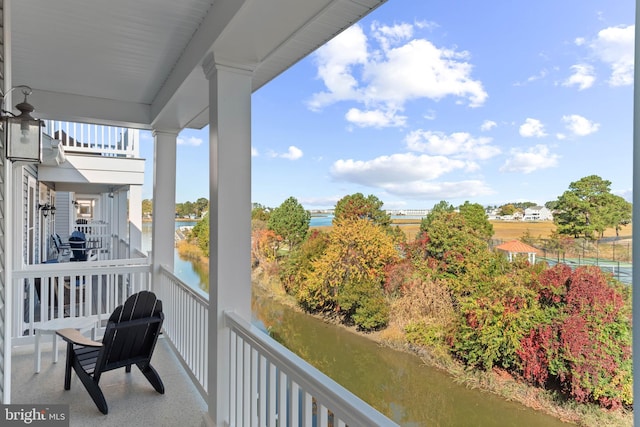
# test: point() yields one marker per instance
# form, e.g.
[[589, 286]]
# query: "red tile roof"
[[516, 246]]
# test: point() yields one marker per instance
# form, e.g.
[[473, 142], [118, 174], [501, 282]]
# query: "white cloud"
[[533, 159], [459, 145], [487, 125], [614, 46], [294, 153], [579, 41], [579, 125], [320, 201], [541, 75], [396, 168], [335, 61], [400, 70], [409, 175], [532, 128], [389, 36], [583, 76], [191, 141], [440, 190], [375, 118], [254, 152]]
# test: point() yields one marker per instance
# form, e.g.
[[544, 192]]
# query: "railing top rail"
[[94, 138], [200, 295], [82, 267], [353, 410]]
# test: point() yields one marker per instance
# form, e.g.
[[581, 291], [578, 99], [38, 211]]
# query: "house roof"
[[516, 246], [139, 63]]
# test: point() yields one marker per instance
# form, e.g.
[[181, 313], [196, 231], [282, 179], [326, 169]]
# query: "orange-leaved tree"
[[349, 276]]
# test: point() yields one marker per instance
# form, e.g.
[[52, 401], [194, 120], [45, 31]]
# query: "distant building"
[[537, 213]]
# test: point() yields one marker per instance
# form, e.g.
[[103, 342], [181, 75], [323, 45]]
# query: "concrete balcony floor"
[[132, 400]]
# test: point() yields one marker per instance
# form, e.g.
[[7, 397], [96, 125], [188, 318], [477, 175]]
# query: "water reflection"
[[398, 384]]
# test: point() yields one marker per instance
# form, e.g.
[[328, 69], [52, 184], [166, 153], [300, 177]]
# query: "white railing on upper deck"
[[98, 238], [273, 386], [269, 385], [95, 139], [186, 324], [45, 292]]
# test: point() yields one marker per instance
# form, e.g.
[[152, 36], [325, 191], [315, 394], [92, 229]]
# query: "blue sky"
[[491, 102]]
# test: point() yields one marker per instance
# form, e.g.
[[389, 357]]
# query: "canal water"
[[396, 383]]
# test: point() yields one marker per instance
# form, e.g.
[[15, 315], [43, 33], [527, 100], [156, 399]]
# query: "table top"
[[68, 322]]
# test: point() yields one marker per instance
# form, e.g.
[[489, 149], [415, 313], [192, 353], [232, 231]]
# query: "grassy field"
[[510, 230], [515, 230]]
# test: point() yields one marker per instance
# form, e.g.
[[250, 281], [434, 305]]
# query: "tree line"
[[446, 290], [183, 210]]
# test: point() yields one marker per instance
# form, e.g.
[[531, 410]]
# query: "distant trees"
[[440, 208], [357, 206], [147, 207], [259, 212], [290, 221], [477, 218], [588, 208], [473, 214], [508, 209], [192, 209], [200, 232]]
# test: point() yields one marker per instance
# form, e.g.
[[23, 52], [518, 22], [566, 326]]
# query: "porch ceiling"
[[138, 64]]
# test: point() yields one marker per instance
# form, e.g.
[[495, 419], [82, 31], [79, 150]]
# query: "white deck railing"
[[45, 292], [95, 139], [186, 323], [269, 385], [273, 386]]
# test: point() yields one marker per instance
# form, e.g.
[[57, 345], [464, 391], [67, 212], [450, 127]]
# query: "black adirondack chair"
[[129, 339]]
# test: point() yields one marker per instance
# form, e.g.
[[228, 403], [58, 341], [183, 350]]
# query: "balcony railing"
[[46, 292], [98, 239], [95, 139], [186, 324], [268, 384]]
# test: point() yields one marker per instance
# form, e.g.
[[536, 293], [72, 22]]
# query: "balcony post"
[[164, 200], [636, 214], [230, 220], [135, 217]]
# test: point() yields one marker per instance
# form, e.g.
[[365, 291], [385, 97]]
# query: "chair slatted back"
[[131, 332]]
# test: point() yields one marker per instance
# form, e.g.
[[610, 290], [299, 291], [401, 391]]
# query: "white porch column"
[[230, 220], [135, 217], [119, 209], [164, 199], [636, 214]]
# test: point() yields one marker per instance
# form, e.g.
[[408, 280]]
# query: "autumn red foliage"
[[584, 342]]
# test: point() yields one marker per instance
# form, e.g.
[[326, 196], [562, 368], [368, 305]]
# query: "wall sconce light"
[[23, 133], [46, 208]]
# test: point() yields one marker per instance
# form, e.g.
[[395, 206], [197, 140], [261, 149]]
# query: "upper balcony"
[[91, 158], [97, 140]]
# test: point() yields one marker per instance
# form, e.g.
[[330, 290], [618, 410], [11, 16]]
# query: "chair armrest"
[[74, 336]]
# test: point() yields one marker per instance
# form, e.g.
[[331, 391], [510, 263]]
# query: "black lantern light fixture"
[[46, 208], [23, 133]]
